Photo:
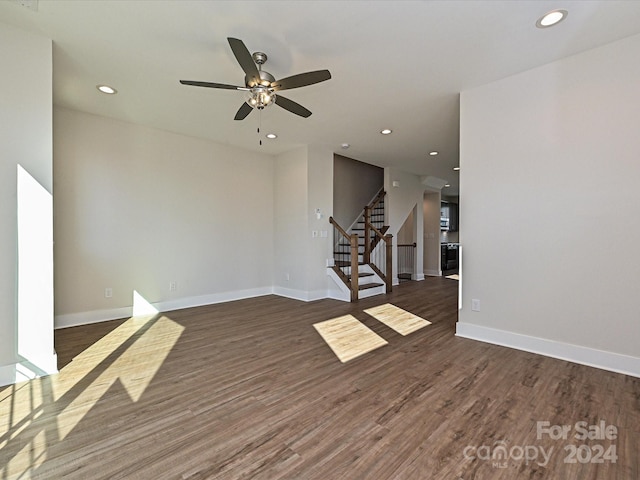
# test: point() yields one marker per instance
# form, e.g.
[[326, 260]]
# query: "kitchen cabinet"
[[448, 217]]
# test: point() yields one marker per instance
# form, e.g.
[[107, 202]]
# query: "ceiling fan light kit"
[[261, 85]]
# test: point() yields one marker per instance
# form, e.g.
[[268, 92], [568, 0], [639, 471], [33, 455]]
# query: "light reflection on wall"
[[35, 278]]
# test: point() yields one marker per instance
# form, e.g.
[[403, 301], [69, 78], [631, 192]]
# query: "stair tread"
[[361, 275], [362, 228], [343, 263], [366, 286]]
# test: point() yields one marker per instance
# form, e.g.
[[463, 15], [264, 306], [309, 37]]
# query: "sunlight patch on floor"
[[135, 367], [348, 337], [131, 354], [397, 319]]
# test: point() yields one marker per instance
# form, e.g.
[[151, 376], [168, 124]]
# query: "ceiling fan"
[[261, 85]]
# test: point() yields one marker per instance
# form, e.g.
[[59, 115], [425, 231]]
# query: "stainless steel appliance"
[[449, 256]]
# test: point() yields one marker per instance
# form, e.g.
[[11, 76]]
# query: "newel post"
[[367, 235], [389, 264], [354, 267]]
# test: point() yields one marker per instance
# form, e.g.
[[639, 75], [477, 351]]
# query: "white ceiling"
[[395, 64]]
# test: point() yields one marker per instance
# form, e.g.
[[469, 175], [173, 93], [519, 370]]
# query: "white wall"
[[320, 196], [400, 202], [26, 141], [303, 183], [406, 234], [432, 252], [550, 206], [291, 223], [137, 208]]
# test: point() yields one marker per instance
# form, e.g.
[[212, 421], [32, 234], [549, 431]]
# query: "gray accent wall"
[[354, 185]]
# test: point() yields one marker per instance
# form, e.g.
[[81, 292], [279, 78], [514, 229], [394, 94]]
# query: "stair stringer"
[[338, 290]]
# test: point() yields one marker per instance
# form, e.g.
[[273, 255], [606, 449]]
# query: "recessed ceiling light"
[[107, 89], [456, 168], [433, 153], [345, 146], [386, 131], [271, 135], [551, 18], [447, 185]]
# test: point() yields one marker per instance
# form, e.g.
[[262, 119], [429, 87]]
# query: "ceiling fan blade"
[[243, 111], [301, 80], [292, 106], [245, 60], [212, 85]]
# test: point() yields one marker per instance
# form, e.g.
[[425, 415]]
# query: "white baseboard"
[[433, 273], [212, 298], [418, 277], [84, 318], [25, 370], [93, 316], [591, 357], [301, 295]]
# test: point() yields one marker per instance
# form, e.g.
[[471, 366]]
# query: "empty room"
[[319, 240]]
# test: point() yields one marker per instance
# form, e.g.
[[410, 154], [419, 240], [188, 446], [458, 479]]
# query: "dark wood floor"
[[248, 389]]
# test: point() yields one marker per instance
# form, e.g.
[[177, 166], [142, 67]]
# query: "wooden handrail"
[[369, 244], [376, 231], [352, 280], [407, 245], [339, 228], [377, 200]]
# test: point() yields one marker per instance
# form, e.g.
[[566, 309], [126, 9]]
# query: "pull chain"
[[259, 124]]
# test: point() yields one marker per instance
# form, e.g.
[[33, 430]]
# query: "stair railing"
[[350, 256], [369, 241], [406, 260], [379, 257]]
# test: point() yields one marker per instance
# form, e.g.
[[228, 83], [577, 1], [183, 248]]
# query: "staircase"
[[363, 249]]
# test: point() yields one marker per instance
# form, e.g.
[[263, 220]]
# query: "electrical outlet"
[[475, 305], [173, 286], [286, 277], [108, 292], [314, 234]]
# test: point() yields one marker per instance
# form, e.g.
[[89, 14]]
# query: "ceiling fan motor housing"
[[266, 79]]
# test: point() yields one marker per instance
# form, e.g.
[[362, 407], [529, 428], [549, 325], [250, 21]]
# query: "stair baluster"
[[376, 256]]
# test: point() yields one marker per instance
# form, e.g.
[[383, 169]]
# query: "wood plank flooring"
[[249, 390]]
